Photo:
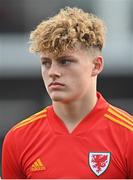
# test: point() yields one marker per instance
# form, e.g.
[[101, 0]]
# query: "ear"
[[98, 64]]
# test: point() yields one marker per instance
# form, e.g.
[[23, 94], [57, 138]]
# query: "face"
[[69, 76]]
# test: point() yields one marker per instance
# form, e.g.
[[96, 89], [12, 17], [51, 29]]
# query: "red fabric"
[[42, 147]]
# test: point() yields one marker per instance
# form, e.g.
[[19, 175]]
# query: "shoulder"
[[119, 117], [41, 115], [27, 131], [29, 123]]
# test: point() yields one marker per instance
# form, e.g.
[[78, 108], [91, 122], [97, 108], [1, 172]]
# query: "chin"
[[56, 98], [63, 100], [59, 98]]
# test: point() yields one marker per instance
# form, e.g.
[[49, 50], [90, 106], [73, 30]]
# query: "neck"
[[72, 113]]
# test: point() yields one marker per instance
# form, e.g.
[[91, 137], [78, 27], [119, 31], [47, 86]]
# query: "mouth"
[[55, 85]]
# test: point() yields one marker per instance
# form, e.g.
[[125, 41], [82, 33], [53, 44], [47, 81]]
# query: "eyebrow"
[[45, 58], [58, 58], [63, 57]]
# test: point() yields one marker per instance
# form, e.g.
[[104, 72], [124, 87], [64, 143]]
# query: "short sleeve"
[[10, 164], [129, 156]]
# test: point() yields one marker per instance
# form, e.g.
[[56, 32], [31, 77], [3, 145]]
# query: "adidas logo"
[[38, 166]]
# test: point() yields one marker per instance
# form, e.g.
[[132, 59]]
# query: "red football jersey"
[[101, 146]]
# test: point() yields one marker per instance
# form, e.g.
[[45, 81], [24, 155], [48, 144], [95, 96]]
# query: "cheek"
[[44, 75], [43, 72], [78, 81], [84, 80]]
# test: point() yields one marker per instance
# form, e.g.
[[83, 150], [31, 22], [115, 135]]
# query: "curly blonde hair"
[[66, 29]]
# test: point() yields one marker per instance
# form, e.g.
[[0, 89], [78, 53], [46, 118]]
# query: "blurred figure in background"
[[80, 135]]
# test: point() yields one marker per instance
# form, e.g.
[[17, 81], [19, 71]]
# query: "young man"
[[80, 135]]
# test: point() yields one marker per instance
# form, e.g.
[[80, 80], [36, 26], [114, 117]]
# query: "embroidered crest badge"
[[99, 162]]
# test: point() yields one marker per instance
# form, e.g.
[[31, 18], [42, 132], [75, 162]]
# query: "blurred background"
[[22, 92]]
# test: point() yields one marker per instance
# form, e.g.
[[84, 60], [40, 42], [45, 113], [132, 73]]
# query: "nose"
[[54, 71]]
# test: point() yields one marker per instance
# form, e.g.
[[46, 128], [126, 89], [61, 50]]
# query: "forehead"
[[76, 53], [56, 55]]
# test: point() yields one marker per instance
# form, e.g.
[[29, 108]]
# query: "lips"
[[55, 84]]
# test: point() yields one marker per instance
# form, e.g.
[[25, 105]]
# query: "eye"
[[46, 63], [65, 61]]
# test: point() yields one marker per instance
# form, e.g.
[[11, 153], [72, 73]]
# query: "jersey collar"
[[85, 124]]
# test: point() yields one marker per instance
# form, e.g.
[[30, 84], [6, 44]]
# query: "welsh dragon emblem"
[[99, 161]]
